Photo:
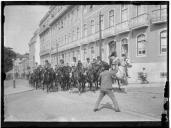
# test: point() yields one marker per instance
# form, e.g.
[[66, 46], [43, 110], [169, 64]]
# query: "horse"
[[66, 77], [79, 77], [94, 72], [48, 78]]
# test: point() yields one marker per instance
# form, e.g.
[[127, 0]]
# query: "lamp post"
[[100, 36], [57, 52], [13, 73]]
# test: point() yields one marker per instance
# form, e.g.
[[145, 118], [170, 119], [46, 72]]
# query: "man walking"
[[106, 88]]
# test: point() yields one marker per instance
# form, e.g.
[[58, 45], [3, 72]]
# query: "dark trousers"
[[110, 94]]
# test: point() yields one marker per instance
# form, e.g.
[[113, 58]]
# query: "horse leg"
[[96, 85], [119, 84], [43, 85], [47, 87]]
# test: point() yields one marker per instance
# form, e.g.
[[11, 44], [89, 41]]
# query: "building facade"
[[21, 65], [139, 31], [34, 50]]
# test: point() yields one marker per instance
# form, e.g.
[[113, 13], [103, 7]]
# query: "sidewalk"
[[138, 85], [21, 85]]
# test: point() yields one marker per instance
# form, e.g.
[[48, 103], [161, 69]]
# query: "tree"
[[9, 54]]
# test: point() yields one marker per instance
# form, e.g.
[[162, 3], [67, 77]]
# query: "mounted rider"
[[124, 63], [61, 63], [99, 60], [114, 61], [88, 64], [74, 63]]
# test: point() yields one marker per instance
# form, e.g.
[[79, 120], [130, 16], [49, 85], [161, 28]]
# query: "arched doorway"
[[112, 47], [124, 46]]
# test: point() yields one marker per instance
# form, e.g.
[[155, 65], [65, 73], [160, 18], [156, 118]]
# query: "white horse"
[[120, 76]]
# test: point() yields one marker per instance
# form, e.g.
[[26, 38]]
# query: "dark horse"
[[93, 74], [48, 78], [79, 77]]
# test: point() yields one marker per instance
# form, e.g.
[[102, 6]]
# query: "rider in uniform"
[[124, 63], [61, 63], [114, 61], [88, 64], [74, 63]]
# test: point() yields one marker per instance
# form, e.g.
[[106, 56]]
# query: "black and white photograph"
[[85, 62]]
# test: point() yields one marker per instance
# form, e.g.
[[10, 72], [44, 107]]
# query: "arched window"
[[124, 46], [112, 47], [141, 45], [163, 42]]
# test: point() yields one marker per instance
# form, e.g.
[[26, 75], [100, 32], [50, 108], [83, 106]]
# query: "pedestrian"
[[106, 77]]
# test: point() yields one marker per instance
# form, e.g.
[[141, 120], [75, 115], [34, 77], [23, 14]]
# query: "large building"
[[139, 31], [34, 50]]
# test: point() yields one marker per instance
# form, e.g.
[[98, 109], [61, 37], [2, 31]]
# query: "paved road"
[[138, 104]]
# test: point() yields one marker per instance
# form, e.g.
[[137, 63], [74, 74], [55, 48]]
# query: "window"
[[163, 74], [85, 9], [69, 37], [124, 13], [74, 37], [78, 33], [111, 18], [163, 42], [84, 54], [68, 20], [91, 7], [92, 50], [124, 47], [141, 9], [65, 39], [141, 42], [102, 21], [62, 56], [85, 30], [61, 23], [92, 26], [78, 11]]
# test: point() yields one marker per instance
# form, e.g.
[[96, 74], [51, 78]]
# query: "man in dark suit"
[[106, 88]]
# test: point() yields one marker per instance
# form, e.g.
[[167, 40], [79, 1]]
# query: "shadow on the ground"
[[107, 105]]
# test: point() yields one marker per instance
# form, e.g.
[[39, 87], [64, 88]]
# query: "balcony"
[[139, 21], [159, 16], [108, 32], [122, 27]]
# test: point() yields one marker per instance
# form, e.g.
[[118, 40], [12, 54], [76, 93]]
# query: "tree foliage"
[[9, 54]]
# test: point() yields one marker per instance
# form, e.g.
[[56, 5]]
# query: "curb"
[[19, 92]]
